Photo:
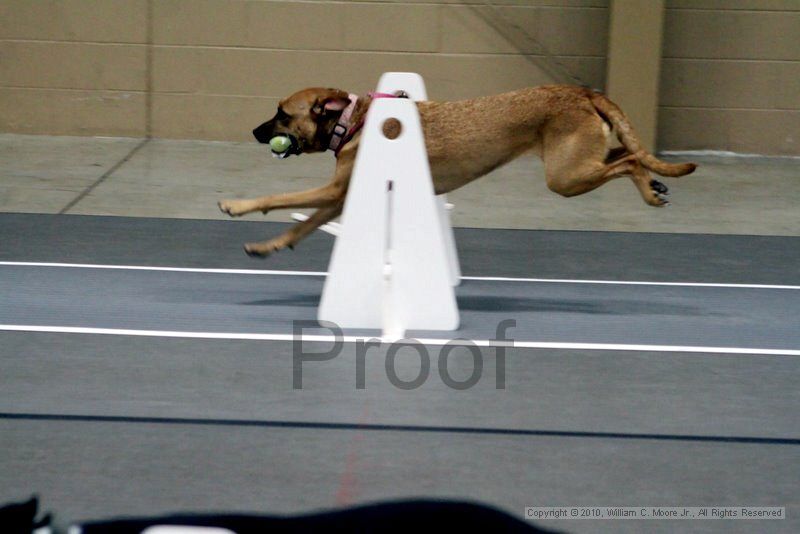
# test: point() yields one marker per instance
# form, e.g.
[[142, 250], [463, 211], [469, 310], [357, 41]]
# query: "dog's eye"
[[282, 115]]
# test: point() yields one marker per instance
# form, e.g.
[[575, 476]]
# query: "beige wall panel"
[[278, 74], [391, 27], [224, 63], [63, 112], [757, 5], [72, 65], [117, 21], [209, 117], [250, 23], [731, 76], [457, 77], [581, 32], [225, 117], [746, 131], [247, 72], [463, 76], [731, 34], [297, 25], [537, 3], [730, 84]]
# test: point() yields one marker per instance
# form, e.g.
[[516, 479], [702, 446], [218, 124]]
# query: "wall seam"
[[148, 99]]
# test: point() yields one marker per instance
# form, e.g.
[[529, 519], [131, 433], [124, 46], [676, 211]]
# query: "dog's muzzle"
[[264, 134]]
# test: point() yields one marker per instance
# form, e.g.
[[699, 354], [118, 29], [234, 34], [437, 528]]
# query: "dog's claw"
[[658, 187], [660, 193]]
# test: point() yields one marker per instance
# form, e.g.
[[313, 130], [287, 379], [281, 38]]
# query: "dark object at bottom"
[[401, 516], [20, 518], [405, 516]]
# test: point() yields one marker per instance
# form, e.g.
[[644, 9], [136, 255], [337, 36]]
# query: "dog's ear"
[[337, 104], [334, 101]]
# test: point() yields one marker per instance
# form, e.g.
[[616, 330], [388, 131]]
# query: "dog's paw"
[[658, 187], [262, 250], [660, 192], [234, 208]]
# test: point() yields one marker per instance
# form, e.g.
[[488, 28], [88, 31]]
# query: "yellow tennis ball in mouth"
[[280, 144]]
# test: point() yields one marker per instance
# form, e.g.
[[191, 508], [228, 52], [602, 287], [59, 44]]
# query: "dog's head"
[[308, 117]]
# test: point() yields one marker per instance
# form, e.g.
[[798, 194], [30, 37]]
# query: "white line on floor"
[[424, 341], [322, 273], [627, 282], [167, 269]]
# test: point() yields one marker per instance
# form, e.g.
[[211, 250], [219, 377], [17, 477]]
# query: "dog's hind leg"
[[577, 161], [616, 154], [296, 233], [576, 158]]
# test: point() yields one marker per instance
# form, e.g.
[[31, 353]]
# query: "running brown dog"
[[569, 127]]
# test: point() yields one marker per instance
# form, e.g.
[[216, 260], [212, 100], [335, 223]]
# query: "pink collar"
[[343, 125], [383, 95], [344, 130]]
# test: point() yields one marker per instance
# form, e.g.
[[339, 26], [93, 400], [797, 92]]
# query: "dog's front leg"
[[312, 198], [297, 232], [330, 194]]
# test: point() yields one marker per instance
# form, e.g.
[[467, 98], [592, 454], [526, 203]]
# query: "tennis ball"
[[280, 144]]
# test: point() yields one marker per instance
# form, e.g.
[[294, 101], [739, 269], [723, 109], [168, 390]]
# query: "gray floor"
[[270, 304], [102, 425], [106, 425], [167, 178]]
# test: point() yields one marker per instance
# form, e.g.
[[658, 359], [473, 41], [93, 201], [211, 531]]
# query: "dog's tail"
[[627, 136]]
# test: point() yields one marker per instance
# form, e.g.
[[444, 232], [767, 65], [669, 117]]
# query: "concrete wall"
[[212, 69], [730, 76]]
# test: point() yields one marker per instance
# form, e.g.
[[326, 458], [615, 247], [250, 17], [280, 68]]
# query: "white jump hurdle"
[[414, 87], [394, 263], [333, 228]]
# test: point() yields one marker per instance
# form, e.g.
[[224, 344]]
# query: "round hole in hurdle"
[[392, 128]]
